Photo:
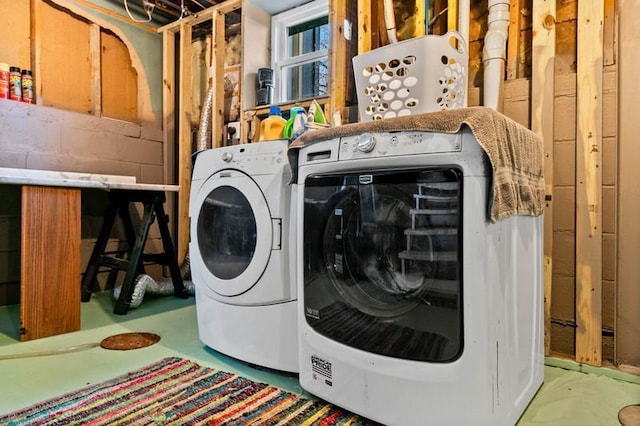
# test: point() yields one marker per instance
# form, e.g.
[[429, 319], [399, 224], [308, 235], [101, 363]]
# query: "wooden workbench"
[[50, 244]]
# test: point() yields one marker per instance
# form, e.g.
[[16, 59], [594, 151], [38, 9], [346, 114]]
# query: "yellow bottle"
[[272, 127]]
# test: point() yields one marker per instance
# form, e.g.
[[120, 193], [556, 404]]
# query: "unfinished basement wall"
[[93, 114], [517, 105]]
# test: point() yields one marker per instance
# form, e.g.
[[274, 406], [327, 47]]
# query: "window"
[[300, 52]]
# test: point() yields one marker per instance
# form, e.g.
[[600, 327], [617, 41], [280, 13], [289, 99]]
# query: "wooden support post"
[[421, 18], [169, 121], [337, 55], [184, 140], [609, 32], [364, 26], [513, 46], [217, 75], [36, 49], [542, 103], [589, 183], [452, 15]]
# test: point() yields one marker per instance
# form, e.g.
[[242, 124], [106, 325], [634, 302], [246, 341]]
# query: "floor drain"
[[128, 341], [629, 415]]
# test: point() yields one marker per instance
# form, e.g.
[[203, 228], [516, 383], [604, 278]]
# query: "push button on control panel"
[[227, 156]]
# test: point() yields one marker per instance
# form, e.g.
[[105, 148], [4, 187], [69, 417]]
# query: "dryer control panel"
[[368, 145]]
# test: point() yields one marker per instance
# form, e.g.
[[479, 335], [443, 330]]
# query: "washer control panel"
[[368, 145], [255, 159]]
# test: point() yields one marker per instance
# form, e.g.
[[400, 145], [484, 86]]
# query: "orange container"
[[272, 127]]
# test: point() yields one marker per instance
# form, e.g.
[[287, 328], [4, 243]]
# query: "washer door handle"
[[276, 224]]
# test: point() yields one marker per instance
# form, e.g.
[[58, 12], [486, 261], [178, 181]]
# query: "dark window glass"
[[308, 37]]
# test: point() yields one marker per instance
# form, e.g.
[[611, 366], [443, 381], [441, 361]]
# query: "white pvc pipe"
[[390, 21], [494, 53]]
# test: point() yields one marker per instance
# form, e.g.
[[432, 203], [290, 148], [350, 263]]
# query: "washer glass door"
[[382, 253], [234, 232]]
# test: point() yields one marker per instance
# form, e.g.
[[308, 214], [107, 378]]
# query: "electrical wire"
[[435, 18], [148, 8], [183, 10], [69, 349]]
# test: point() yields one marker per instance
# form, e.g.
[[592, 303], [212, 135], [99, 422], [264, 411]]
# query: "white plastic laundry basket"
[[417, 75]]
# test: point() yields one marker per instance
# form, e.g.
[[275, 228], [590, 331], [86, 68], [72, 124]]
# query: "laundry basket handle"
[[456, 41]]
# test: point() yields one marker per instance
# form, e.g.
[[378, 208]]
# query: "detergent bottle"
[[288, 128], [299, 124], [272, 127]]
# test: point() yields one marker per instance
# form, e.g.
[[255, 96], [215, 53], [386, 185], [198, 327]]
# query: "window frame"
[[280, 24]]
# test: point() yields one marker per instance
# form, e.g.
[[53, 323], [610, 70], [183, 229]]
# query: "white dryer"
[[241, 253], [414, 308]]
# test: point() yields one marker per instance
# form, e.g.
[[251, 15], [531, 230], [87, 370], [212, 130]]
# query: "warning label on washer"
[[321, 366]]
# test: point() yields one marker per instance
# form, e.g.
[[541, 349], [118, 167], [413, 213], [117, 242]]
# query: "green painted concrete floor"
[[567, 397]]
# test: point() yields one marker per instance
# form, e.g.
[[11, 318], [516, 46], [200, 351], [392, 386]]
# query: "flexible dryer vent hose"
[[144, 284]]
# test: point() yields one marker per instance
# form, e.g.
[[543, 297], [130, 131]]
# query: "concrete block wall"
[[37, 137]]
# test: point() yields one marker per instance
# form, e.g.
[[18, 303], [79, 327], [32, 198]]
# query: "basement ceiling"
[[166, 11]]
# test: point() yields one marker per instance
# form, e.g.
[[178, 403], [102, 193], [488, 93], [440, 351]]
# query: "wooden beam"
[[542, 113], [337, 55], [589, 183], [364, 26], [36, 49], [628, 192], [169, 125], [95, 49], [452, 15], [421, 18], [609, 32], [513, 45], [204, 15], [184, 140], [217, 74]]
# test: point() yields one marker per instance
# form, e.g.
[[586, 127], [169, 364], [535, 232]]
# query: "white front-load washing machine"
[[241, 254], [414, 308]]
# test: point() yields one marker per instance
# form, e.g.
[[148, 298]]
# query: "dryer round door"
[[233, 232]]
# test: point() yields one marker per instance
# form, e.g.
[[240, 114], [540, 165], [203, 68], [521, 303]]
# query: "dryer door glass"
[[382, 253], [226, 232]]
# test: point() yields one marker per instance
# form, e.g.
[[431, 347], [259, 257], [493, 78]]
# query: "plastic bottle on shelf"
[[288, 129], [299, 124], [27, 86], [15, 84], [4, 81], [272, 127]]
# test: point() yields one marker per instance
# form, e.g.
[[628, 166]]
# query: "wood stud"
[[589, 183], [542, 120]]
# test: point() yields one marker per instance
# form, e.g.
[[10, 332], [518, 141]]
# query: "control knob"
[[227, 156], [365, 142]]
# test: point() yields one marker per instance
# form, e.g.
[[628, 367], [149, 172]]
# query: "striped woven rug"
[[176, 391]]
